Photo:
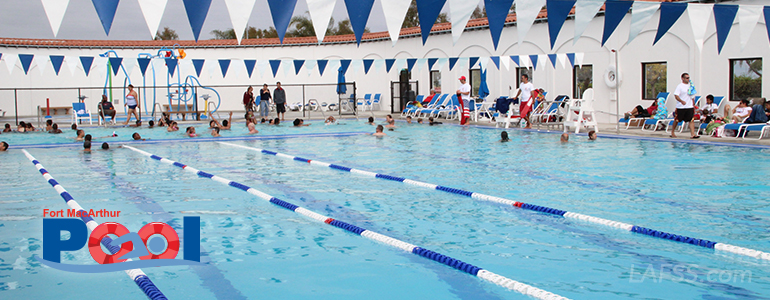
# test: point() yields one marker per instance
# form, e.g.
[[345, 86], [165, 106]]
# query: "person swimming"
[[378, 131], [191, 132], [564, 137], [3, 146], [504, 137], [215, 132], [137, 137]]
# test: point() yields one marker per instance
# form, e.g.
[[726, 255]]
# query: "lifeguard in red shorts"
[[525, 99], [464, 95]]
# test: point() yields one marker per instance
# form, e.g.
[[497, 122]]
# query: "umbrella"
[[483, 88], [341, 87]]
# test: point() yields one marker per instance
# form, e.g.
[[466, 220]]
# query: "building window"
[[653, 80], [435, 81], [521, 71], [582, 79], [475, 81], [745, 78]]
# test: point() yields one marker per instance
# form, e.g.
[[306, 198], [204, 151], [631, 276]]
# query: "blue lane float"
[[543, 209], [432, 255], [139, 278]]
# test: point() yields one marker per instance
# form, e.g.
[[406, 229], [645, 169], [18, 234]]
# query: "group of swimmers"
[[564, 138]]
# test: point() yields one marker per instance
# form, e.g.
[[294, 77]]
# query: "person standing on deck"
[[525, 106], [279, 97], [464, 95]]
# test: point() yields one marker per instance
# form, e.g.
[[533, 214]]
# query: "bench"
[[183, 109], [55, 109]]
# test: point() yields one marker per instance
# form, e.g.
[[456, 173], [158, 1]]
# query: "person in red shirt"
[[248, 99]]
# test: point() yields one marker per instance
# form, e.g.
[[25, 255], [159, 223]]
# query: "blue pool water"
[[258, 250]]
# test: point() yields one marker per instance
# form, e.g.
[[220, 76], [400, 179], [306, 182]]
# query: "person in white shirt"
[[524, 95], [464, 93], [685, 110], [741, 112], [709, 110]]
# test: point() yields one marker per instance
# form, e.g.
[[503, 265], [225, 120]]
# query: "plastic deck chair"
[[375, 102], [670, 105], [640, 121], [437, 98], [363, 103], [451, 109], [580, 113], [79, 112], [404, 112], [720, 109], [441, 103]]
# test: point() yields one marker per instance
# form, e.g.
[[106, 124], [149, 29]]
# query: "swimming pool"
[[258, 250]]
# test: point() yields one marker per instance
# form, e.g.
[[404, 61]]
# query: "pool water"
[[258, 250]]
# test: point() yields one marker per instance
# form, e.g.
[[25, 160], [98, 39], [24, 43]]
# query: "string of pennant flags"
[[460, 12], [170, 65]]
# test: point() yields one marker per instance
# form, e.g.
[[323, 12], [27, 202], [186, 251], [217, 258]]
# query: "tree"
[[166, 34], [412, 18], [300, 26], [228, 34], [479, 13]]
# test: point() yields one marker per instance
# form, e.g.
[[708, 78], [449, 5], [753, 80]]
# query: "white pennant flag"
[[542, 60], [321, 14], [379, 64], [212, 68], [526, 13], [355, 68], [420, 65], [641, 13], [506, 62], [460, 12], [288, 67], [562, 57], [395, 11], [579, 59], [441, 63], [310, 66], [128, 64], [262, 66], [54, 10], [463, 64], [72, 63], [585, 11], [10, 61], [699, 17], [748, 16], [240, 12], [524, 61], [484, 62], [100, 65], [153, 12], [186, 67], [400, 64], [237, 68], [41, 62]]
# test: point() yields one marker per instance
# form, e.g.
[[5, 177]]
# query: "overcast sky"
[[27, 19]]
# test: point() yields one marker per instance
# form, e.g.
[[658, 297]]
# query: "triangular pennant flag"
[[310, 66], [766, 12], [344, 64], [197, 63], [641, 13], [56, 61], [542, 60], [452, 62], [26, 61], [526, 13], [428, 11], [355, 66], [171, 65], [585, 11], [441, 63], [298, 65], [506, 62], [274, 64], [101, 65], [236, 68], [614, 12], [483, 63], [153, 12], [472, 62], [400, 64], [224, 65], [263, 65], [534, 58], [196, 14], [524, 61], [389, 64], [129, 64], [185, 67], [410, 63], [395, 11], [287, 65], [558, 10], [562, 59], [322, 66], [281, 10], [240, 12], [249, 63], [420, 65], [40, 64], [460, 12], [724, 15], [106, 10], [462, 63], [115, 64], [367, 65], [699, 17], [334, 64], [145, 62], [571, 57], [86, 62], [431, 62], [579, 59], [358, 12], [552, 58], [72, 63], [321, 13], [54, 10], [748, 17], [497, 11], [515, 59], [669, 14], [379, 64]]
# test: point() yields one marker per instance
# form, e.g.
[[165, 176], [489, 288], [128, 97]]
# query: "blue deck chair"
[[761, 127], [362, 103], [718, 101], [543, 116], [451, 109], [416, 109], [375, 102], [442, 102], [640, 121], [409, 107], [437, 100], [79, 112]]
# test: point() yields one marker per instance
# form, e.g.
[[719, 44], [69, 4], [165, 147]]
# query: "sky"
[[27, 19]]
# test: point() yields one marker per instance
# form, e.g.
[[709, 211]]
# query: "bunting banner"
[[699, 17], [56, 62], [40, 63], [274, 64], [748, 17], [262, 66], [106, 10], [367, 65], [472, 61], [171, 65], [153, 10], [310, 66], [72, 63], [441, 63], [86, 62], [614, 12], [452, 62], [431, 63], [281, 10], [496, 61], [322, 63], [321, 14], [249, 64], [585, 11], [344, 64], [224, 65], [358, 13], [483, 62], [552, 58], [542, 59], [410, 63], [724, 16], [579, 59], [641, 13], [506, 62], [379, 64], [128, 65], [185, 67], [571, 57], [515, 59], [460, 12], [463, 63], [766, 12], [198, 64], [240, 12], [100, 65], [669, 14], [526, 13], [533, 59], [54, 10], [562, 57], [145, 62], [115, 64], [428, 11], [395, 12], [287, 66], [298, 65], [389, 64], [236, 68], [558, 10], [400, 64], [497, 12], [26, 61], [196, 14], [355, 67]]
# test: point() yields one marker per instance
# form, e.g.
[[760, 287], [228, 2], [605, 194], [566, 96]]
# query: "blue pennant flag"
[[614, 12], [515, 59], [56, 61], [358, 12], [552, 58], [558, 10], [281, 10], [496, 60], [224, 65], [198, 64], [767, 20], [533, 58], [571, 57], [115, 64], [26, 61], [724, 15], [472, 62], [497, 11], [143, 64], [344, 64], [171, 64], [428, 11], [196, 14], [669, 14], [1, 55], [452, 62], [431, 62], [250, 63], [322, 66], [367, 65], [410, 63], [86, 62], [274, 64], [106, 10], [298, 65], [389, 64]]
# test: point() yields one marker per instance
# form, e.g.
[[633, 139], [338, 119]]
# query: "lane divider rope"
[[432, 255], [572, 215], [141, 279]]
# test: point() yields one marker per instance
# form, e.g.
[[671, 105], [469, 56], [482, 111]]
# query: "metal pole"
[[617, 93], [16, 105], [303, 101]]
